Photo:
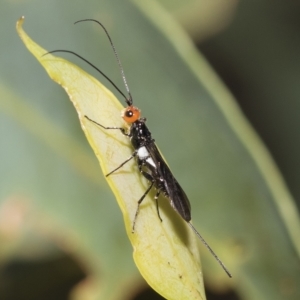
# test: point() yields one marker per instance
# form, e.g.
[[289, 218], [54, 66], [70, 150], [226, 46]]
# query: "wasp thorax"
[[131, 114]]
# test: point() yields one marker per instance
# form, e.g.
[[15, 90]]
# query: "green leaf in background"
[[239, 201]]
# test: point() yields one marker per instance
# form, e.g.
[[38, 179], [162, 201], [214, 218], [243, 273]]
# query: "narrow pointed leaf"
[[166, 253]]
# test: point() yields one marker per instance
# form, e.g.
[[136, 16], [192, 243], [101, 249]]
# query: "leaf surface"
[[167, 257]]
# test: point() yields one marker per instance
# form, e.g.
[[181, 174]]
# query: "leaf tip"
[[20, 22]]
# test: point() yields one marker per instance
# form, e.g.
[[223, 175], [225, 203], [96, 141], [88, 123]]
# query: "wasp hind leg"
[[139, 203], [150, 178], [156, 201]]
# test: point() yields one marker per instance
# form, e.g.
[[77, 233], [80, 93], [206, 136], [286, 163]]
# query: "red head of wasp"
[[149, 160]]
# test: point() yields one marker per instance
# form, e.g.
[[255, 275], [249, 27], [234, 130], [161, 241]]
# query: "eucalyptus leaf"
[[169, 263]]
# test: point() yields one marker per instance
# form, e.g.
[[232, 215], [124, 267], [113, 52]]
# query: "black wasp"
[[150, 162]]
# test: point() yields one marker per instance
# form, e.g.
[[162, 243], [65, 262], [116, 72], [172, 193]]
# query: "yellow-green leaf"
[[166, 253]]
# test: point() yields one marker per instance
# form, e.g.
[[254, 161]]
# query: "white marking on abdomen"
[[143, 154]]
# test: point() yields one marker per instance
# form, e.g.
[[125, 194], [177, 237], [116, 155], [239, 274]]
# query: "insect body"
[[150, 162], [152, 165]]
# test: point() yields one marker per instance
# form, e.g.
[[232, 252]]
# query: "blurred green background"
[[59, 222]]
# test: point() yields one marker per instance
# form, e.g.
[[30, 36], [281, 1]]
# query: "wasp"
[[149, 160]]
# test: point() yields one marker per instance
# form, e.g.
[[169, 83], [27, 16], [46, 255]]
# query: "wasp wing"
[[178, 199]]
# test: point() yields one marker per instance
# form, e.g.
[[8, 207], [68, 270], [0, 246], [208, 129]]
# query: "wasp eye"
[[131, 114], [128, 114]]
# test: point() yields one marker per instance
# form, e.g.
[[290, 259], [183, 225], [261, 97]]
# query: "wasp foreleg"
[[123, 131]]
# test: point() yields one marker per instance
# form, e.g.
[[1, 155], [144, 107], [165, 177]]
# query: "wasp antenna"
[[210, 250], [129, 99], [92, 65]]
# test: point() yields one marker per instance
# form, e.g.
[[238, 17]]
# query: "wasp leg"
[[139, 203], [124, 133], [157, 208], [151, 179], [119, 128], [123, 163]]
